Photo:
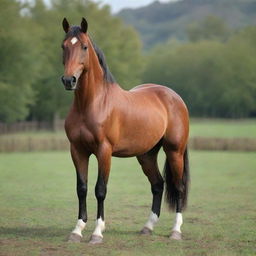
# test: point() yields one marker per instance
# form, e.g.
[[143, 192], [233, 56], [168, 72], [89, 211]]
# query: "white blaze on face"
[[73, 40]]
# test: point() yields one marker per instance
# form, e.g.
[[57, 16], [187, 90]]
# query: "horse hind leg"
[[176, 174], [149, 166]]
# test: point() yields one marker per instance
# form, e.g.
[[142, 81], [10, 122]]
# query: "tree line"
[[214, 71], [31, 56], [160, 20]]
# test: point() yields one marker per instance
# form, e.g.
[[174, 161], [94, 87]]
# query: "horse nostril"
[[73, 80], [69, 82], [63, 80]]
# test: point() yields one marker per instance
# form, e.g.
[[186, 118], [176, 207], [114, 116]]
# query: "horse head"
[[75, 53]]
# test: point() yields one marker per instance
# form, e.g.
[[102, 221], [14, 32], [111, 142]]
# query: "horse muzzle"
[[70, 82]]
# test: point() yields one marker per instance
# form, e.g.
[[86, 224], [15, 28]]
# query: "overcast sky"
[[117, 5]]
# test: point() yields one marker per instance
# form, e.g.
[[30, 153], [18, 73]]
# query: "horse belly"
[[139, 140]]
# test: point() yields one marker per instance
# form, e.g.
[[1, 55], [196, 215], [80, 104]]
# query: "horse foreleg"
[[149, 166], [104, 161], [80, 160]]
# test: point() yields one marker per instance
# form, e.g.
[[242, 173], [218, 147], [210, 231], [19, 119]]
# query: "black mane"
[[102, 60], [75, 31]]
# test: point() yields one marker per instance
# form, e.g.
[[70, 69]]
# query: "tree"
[[210, 28], [17, 70], [216, 79], [119, 43]]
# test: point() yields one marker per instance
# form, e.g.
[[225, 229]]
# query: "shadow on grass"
[[52, 232], [34, 232], [113, 231]]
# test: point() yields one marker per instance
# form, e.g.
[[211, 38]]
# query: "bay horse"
[[107, 121]]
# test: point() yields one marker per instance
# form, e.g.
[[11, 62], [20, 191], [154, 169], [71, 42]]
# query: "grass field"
[[223, 128], [198, 127], [39, 207]]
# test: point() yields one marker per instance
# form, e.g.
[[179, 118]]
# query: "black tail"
[[171, 191]]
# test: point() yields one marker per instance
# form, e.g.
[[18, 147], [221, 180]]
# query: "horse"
[[106, 120]]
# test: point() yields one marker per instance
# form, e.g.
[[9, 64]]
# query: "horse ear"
[[65, 25], [84, 25]]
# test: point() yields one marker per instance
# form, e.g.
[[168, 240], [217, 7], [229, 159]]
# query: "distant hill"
[[158, 22]]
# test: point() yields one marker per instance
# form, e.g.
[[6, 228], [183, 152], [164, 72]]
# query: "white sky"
[[117, 5]]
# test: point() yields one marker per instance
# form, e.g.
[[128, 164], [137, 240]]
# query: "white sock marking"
[[79, 227], [100, 227], [152, 220], [73, 40], [178, 222]]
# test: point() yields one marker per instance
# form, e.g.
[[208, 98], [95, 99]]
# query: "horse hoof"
[[146, 231], [176, 235], [96, 239], [74, 238]]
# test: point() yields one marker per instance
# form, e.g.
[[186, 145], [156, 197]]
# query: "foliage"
[[210, 28], [214, 71], [216, 79], [119, 43], [159, 22], [31, 84], [17, 71]]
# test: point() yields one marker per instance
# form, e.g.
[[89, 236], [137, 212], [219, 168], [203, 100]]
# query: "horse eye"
[[84, 47]]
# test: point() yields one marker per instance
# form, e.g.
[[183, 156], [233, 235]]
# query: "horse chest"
[[80, 134]]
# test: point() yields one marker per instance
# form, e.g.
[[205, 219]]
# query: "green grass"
[[35, 134], [39, 207], [223, 128]]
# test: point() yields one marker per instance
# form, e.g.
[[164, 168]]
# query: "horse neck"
[[92, 84]]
